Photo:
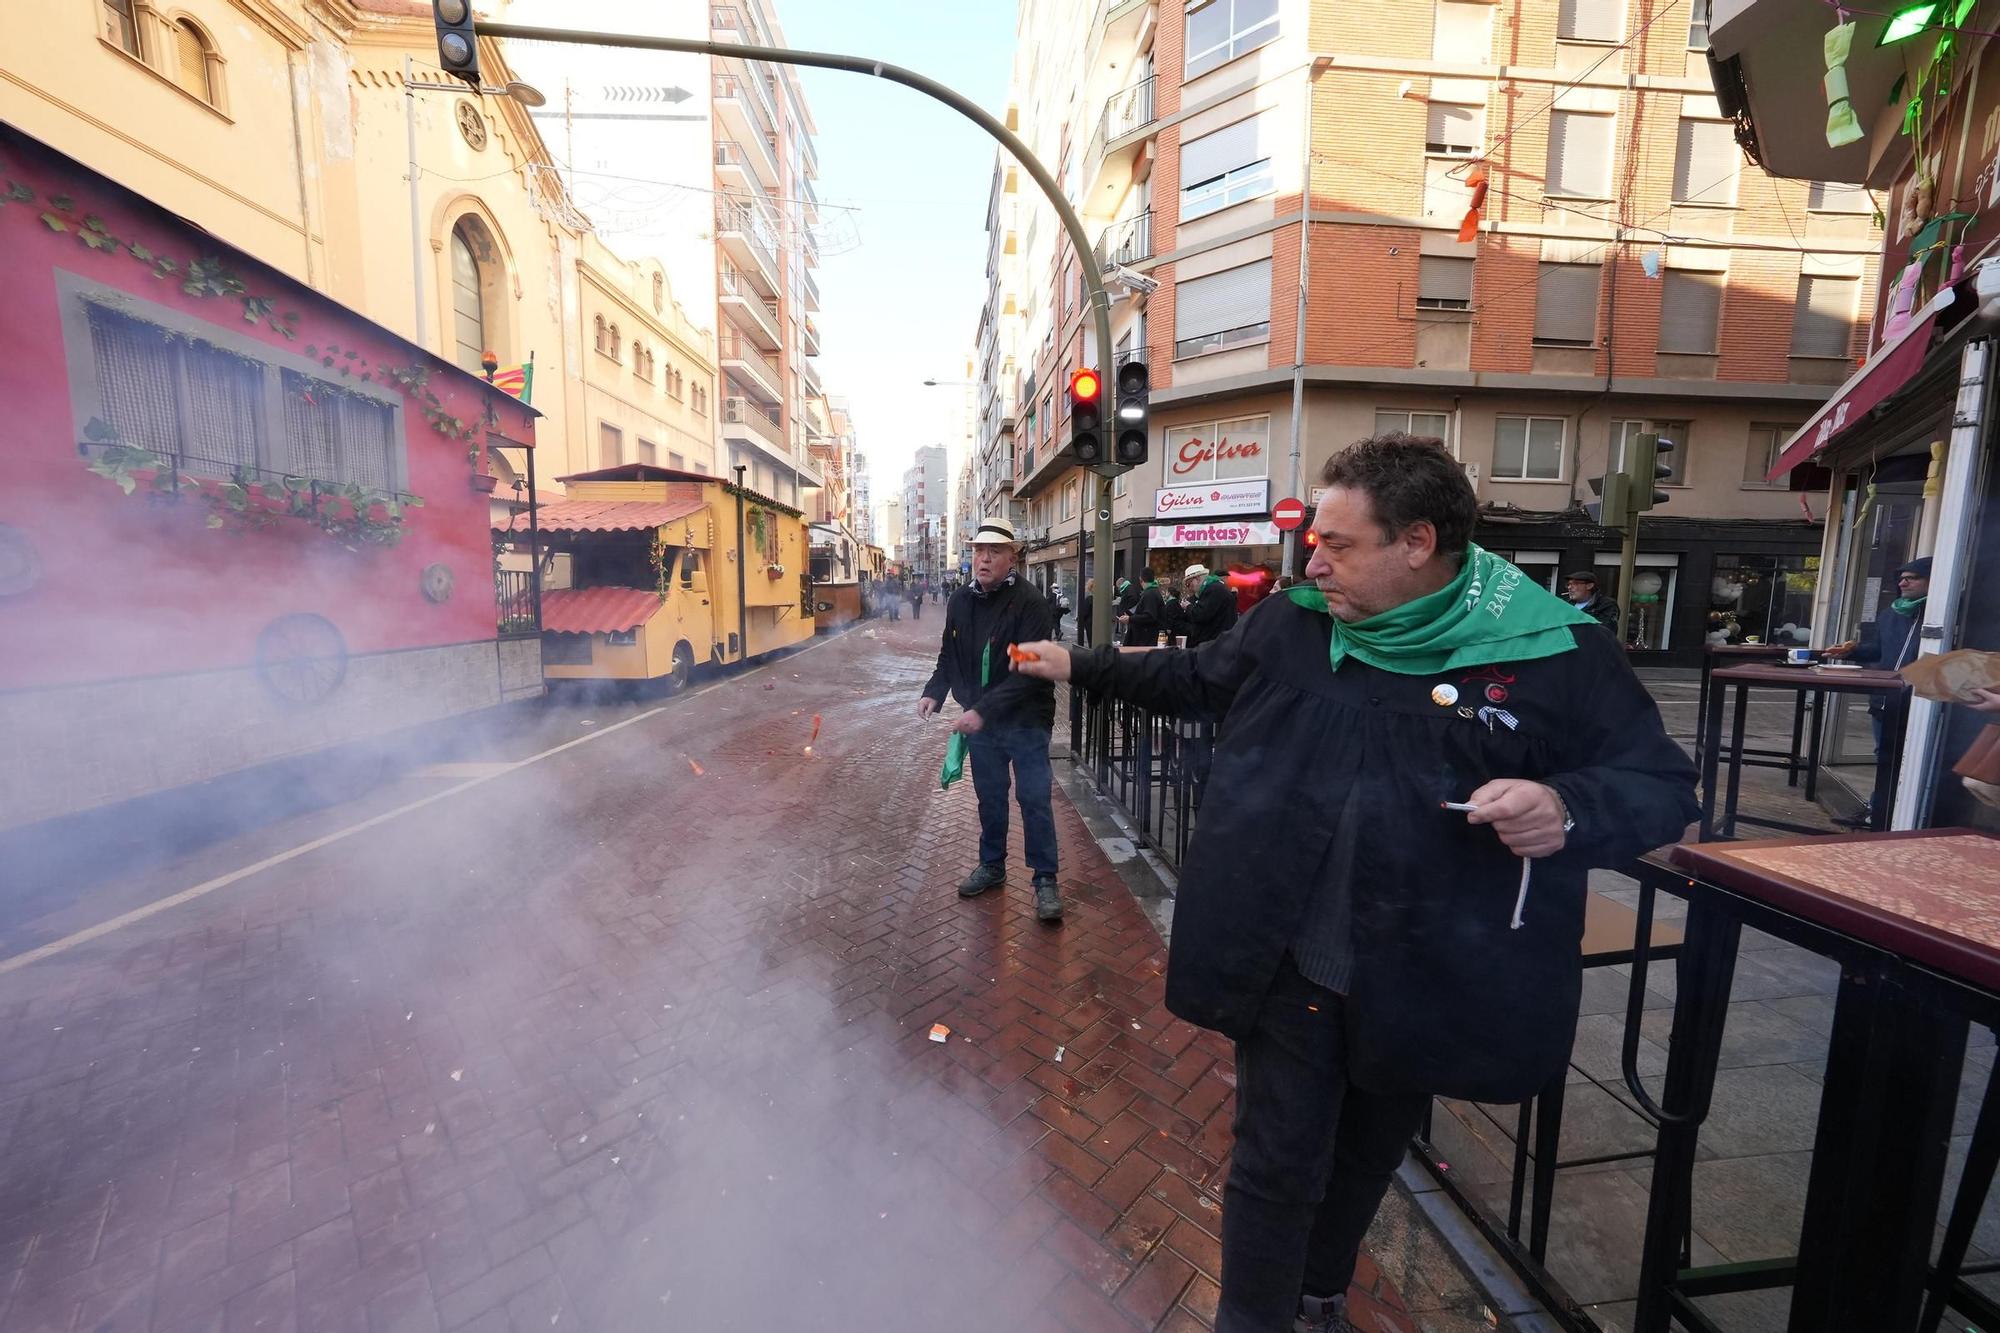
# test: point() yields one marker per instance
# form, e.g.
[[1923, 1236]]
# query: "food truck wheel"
[[683, 671]]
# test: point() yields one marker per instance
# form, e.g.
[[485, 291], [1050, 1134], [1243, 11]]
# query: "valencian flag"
[[517, 380]]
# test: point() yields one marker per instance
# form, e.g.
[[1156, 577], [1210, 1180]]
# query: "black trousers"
[[1313, 1158]]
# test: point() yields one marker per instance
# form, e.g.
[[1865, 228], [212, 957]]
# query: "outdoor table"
[[1737, 654], [1913, 919], [1819, 682]]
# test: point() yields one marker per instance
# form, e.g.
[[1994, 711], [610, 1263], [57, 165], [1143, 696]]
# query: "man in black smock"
[[1360, 950]]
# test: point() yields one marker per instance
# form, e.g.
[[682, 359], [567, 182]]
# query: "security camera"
[[1137, 282]]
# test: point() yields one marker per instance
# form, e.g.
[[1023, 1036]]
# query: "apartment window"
[[1706, 162], [649, 453], [1446, 195], [1528, 448], [1674, 460], [1069, 500], [1423, 425], [1829, 197], [1462, 33], [1591, 21], [213, 409], [610, 445], [196, 67], [1455, 131], [1767, 441], [1566, 305], [121, 27], [1226, 167], [1690, 309], [1580, 155], [1823, 319], [1444, 282], [1226, 309], [1698, 25], [1218, 31]]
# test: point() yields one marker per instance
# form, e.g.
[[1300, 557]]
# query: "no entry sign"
[[1289, 513]]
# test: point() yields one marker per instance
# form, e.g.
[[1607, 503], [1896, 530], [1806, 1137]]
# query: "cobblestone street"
[[625, 1025]]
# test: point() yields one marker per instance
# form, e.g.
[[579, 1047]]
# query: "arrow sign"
[[1289, 513]]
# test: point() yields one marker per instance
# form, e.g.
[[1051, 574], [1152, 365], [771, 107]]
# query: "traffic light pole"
[[1093, 277], [1628, 558]]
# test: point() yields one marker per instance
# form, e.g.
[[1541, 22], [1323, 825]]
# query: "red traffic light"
[[1084, 385], [1312, 538]]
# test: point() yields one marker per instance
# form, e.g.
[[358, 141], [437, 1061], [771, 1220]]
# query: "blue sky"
[[903, 305]]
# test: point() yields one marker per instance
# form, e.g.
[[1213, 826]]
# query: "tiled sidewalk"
[[634, 1036]]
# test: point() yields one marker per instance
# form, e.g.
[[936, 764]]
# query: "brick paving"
[[635, 1036]]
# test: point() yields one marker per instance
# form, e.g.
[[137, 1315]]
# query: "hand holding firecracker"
[[1017, 654]]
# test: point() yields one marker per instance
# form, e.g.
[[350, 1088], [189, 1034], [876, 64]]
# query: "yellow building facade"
[[286, 128]]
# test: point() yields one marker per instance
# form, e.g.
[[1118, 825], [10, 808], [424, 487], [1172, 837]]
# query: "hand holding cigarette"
[[1525, 814]]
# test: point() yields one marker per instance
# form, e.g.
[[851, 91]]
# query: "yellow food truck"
[[648, 572]]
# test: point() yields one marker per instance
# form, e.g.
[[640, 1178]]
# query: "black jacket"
[[1012, 613], [1446, 998], [1149, 618], [1211, 613], [1889, 642], [1603, 610]]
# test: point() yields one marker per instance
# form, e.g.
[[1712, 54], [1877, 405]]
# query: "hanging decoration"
[[1475, 179], [1842, 125]]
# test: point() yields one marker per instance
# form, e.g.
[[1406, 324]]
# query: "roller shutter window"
[[1690, 306], [1223, 309], [1566, 305]]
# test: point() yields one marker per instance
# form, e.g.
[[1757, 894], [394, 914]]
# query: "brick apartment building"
[[1631, 271]]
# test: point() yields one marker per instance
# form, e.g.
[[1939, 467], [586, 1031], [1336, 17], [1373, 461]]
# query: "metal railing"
[[1126, 111], [728, 85], [742, 218], [1127, 241], [734, 348], [762, 420], [1154, 766], [514, 598]]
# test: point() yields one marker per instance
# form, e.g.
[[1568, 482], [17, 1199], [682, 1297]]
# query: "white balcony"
[[745, 419], [751, 313], [753, 369], [736, 123], [745, 239], [812, 293], [809, 333]]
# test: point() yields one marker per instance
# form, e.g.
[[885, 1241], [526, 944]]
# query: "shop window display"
[[1762, 599]]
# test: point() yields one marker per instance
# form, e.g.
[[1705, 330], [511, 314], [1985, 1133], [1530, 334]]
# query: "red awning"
[[597, 610], [605, 515], [1893, 365]]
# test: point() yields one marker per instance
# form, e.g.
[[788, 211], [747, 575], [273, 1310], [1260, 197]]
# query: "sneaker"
[[989, 875], [1323, 1315], [1048, 899]]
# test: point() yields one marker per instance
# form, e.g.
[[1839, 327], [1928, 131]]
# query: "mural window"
[[468, 299], [196, 66], [219, 410], [610, 444], [121, 27]]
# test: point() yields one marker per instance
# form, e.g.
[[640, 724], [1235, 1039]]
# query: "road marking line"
[[138, 914]]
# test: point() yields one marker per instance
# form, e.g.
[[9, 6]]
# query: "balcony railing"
[[812, 293], [1126, 111], [745, 220], [729, 86], [760, 419], [514, 598], [1127, 241]]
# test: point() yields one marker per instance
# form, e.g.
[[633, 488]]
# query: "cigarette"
[[1466, 806], [1521, 898]]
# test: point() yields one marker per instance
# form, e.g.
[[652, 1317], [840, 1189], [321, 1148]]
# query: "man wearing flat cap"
[[1007, 716], [1580, 591]]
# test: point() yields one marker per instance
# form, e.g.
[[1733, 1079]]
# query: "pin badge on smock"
[[1496, 694], [1444, 695]]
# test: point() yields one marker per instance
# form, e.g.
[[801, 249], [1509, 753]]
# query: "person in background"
[[916, 595], [1060, 609], [1007, 717], [1208, 607], [1374, 956], [892, 592], [1580, 591], [1147, 620], [1888, 643], [1083, 611]]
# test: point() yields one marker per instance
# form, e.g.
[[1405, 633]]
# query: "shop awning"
[[597, 610], [1893, 365], [606, 515]]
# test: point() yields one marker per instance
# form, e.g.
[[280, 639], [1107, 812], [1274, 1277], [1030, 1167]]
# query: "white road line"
[[138, 914]]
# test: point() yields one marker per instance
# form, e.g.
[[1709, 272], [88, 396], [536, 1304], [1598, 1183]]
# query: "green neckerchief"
[[954, 750], [1491, 612], [1906, 606]]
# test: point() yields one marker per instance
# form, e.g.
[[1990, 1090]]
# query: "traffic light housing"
[[458, 44], [1645, 468], [1613, 508], [1134, 389], [1086, 416]]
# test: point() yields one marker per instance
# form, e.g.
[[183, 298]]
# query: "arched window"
[[616, 345], [468, 300], [195, 64], [603, 342]]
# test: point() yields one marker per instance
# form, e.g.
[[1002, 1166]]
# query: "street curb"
[[1150, 881]]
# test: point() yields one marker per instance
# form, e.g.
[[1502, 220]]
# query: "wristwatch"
[[1569, 820]]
